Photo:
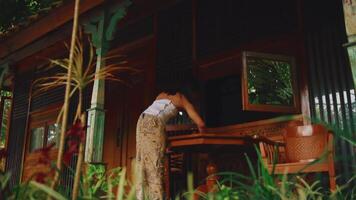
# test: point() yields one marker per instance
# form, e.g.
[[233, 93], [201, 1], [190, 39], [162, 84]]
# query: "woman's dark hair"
[[187, 88]]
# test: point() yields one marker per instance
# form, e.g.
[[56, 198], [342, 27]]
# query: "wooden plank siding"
[[124, 103], [18, 125], [332, 93]]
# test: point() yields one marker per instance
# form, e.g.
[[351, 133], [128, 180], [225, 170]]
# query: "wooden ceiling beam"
[[49, 32], [48, 23]]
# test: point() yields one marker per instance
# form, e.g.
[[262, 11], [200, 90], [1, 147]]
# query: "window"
[[44, 136], [44, 130], [5, 107]]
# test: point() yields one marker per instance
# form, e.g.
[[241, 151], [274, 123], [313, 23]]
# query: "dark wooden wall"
[[18, 125], [193, 33], [125, 102], [227, 24], [174, 45], [24, 103], [332, 93]]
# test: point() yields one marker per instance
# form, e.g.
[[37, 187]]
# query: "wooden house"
[[176, 41]]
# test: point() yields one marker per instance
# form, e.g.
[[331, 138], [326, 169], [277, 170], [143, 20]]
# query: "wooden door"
[[43, 132], [124, 103]]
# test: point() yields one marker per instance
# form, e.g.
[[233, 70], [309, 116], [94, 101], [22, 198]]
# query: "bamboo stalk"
[[79, 165], [66, 97]]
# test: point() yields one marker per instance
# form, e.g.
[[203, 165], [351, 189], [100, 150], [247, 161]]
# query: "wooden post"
[[350, 22], [102, 30], [351, 51], [4, 69], [96, 113]]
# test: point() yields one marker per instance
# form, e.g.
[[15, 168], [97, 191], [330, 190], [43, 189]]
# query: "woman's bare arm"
[[192, 113]]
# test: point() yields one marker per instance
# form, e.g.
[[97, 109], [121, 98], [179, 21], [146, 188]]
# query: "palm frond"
[[83, 73]]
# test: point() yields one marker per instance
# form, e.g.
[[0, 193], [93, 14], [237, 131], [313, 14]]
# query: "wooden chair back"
[[305, 143], [272, 149]]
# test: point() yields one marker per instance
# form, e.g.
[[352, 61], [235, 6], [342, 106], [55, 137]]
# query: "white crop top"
[[162, 108]]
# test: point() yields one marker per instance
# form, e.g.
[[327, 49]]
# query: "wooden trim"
[[207, 135], [299, 167], [246, 105], [194, 35], [207, 139], [266, 140], [24, 146], [303, 72], [230, 62], [8, 122], [132, 45], [265, 122], [181, 127], [46, 110]]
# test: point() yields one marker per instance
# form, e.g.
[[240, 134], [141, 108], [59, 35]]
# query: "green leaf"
[[48, 190], [120, 188]]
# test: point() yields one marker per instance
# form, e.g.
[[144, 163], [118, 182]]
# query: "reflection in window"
[[4, 121], [52, 134], [5, 106], [269, 81], [37, 138]]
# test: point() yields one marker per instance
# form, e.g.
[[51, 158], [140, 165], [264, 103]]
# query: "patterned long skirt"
[[150, 147]]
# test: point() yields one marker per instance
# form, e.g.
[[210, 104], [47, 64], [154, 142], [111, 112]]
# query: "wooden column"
[[102, 29], [4, 69], [351, 51], [350, 22]]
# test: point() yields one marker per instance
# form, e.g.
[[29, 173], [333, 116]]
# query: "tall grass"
[[99, 183]]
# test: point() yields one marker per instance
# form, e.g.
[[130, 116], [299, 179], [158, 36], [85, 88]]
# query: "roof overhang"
[[50, 31], [55, 19]]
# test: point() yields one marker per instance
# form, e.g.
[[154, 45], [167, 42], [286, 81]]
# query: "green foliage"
[[13, 12], [261, 185], [47, 190], [97, 182], [19, 192], [5, 118], [269, 82]]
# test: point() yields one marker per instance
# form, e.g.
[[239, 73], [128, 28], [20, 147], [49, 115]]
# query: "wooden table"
[[207, 139], [187, 139], [202, 143]]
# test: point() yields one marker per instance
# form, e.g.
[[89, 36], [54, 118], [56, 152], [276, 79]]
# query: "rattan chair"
[[295, 151]]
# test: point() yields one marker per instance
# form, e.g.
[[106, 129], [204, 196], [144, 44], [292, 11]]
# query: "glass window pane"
[[53, 133], [269, 81], [37, 138], [4, 122]]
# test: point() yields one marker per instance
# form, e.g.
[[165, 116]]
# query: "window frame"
[[2, 103], [41, 118]]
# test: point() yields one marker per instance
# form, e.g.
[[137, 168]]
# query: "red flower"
[[77, 131], [44, 154], [40, 177], [71, 150], [75, 136]]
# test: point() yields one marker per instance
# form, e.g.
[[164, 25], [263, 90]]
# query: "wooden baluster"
[[211, 180]]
